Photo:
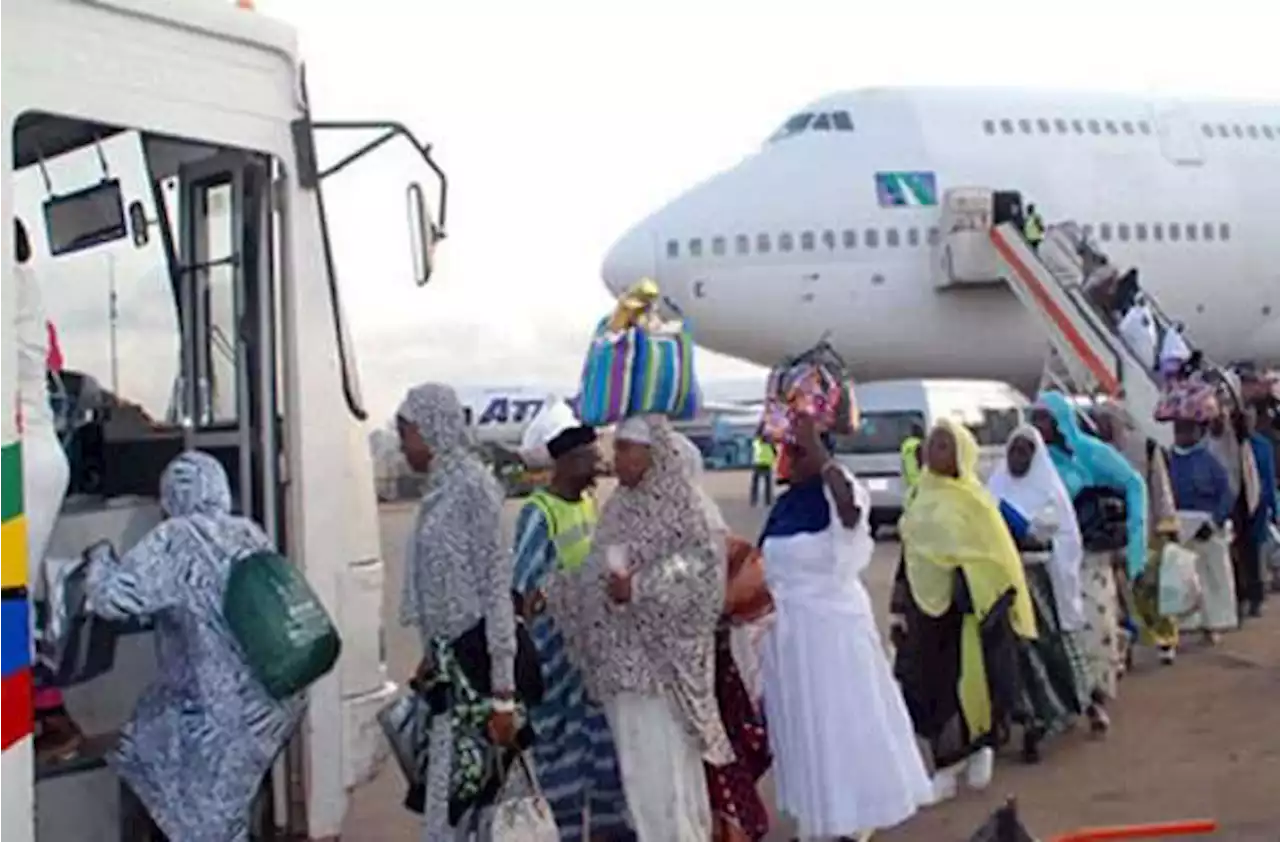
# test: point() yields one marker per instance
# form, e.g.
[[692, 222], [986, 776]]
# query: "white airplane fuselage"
[[848, 202]]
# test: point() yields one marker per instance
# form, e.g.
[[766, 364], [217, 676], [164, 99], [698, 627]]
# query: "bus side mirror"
[[423, 235], [138, 225]]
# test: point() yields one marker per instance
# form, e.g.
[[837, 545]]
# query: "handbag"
[[605, 396], [406, 723], [663, 380], [526, 817], [73, 644], [1102, 515]]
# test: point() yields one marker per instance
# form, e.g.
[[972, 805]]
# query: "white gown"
[[45, 472], [845, 754]]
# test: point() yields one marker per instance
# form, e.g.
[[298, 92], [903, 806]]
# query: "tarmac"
[[1199, 739]]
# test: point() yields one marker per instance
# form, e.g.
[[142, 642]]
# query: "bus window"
[[996, 426], [880, 432]]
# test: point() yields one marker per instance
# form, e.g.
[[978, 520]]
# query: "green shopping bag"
[[286, 635]]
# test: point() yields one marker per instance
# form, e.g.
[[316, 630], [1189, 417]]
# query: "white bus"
[[161, 156]]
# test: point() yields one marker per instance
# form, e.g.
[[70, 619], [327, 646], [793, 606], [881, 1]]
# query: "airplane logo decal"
[[906, 189], [514, 410]]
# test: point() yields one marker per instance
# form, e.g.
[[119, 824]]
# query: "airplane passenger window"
[[1267, 133], [1122, 231], [695, 247], [842, 121], [1086, 230], [1060, 126], [742, 244], [822, 123], [1157, 231], [1094, 127], [1024, 126], [1104, 231], [1237, 131], [1191, 231], [1077, 127], [1111, 127], [718, 246], [806, 241], [871, 238], [1006, 126], [1207, 129], [762, 243], [1222, 130], [829, 239], [891, 238], [673, 248], [1252, 132], [913, 237], [934, 235], [1207, 230], [786, 242], [1140, 232], [1043, 125], [849, 238], [989, 126], [1175, 233], [1224, 231], [1127, 127], [1144, 127]]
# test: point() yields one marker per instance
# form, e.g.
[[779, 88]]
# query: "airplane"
[[833, 228]]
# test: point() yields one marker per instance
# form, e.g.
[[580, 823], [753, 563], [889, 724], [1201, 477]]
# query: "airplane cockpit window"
[[824, 121]]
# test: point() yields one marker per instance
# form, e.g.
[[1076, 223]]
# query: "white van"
[[889, 411]]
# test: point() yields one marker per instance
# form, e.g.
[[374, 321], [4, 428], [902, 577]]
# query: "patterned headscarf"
[[458, 484], [195, 483]]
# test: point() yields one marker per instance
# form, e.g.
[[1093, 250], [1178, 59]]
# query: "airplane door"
[[1179, 135]]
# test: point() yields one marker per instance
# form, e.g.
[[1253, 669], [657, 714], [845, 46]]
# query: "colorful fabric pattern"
[[574, 754]]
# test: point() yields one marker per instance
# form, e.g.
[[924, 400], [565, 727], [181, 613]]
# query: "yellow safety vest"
[[763, 453], [1032, 229], [911, 461], [570, 525]]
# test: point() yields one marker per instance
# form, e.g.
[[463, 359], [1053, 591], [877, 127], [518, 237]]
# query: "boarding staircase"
[[1087, 354]]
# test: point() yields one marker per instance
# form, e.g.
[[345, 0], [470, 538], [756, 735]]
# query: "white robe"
[[45, 472], [1043, 499]]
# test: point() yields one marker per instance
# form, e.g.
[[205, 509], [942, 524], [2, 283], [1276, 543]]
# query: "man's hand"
[[502, 727], [620, 587]]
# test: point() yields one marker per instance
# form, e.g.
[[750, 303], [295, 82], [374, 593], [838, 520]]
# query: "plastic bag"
[[663, 380], [606, 376], [286, 635], [1179, 589]]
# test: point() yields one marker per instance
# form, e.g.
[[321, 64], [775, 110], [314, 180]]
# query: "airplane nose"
[[630, 259]]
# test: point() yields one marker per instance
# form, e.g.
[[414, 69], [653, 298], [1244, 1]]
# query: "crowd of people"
[[682, 662]]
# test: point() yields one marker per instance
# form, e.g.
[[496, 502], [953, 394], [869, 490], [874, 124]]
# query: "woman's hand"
[[502, 722], [619, 586]]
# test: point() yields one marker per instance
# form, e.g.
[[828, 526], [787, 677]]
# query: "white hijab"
[[1042, 498]]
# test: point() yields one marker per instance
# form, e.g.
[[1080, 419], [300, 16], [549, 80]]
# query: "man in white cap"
[[577, 765]]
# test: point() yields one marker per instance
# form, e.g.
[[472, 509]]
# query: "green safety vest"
[[763, 453], [570, 525], [1032, 229], [911, 461]]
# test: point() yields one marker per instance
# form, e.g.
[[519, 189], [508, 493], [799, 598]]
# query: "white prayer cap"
[[635, 430], [553, 419]]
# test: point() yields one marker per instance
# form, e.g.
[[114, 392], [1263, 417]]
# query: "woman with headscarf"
[[1228, 440], [969, 605], [1040, 513], [205, 733], [845, 757], [1117, 428], [1091, 469], [457, 576], [738, 811], [640, 619]]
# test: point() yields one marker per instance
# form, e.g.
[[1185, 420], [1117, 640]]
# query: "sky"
[[560, 124]]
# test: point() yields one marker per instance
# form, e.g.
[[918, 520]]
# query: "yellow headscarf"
[[954, 523]]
